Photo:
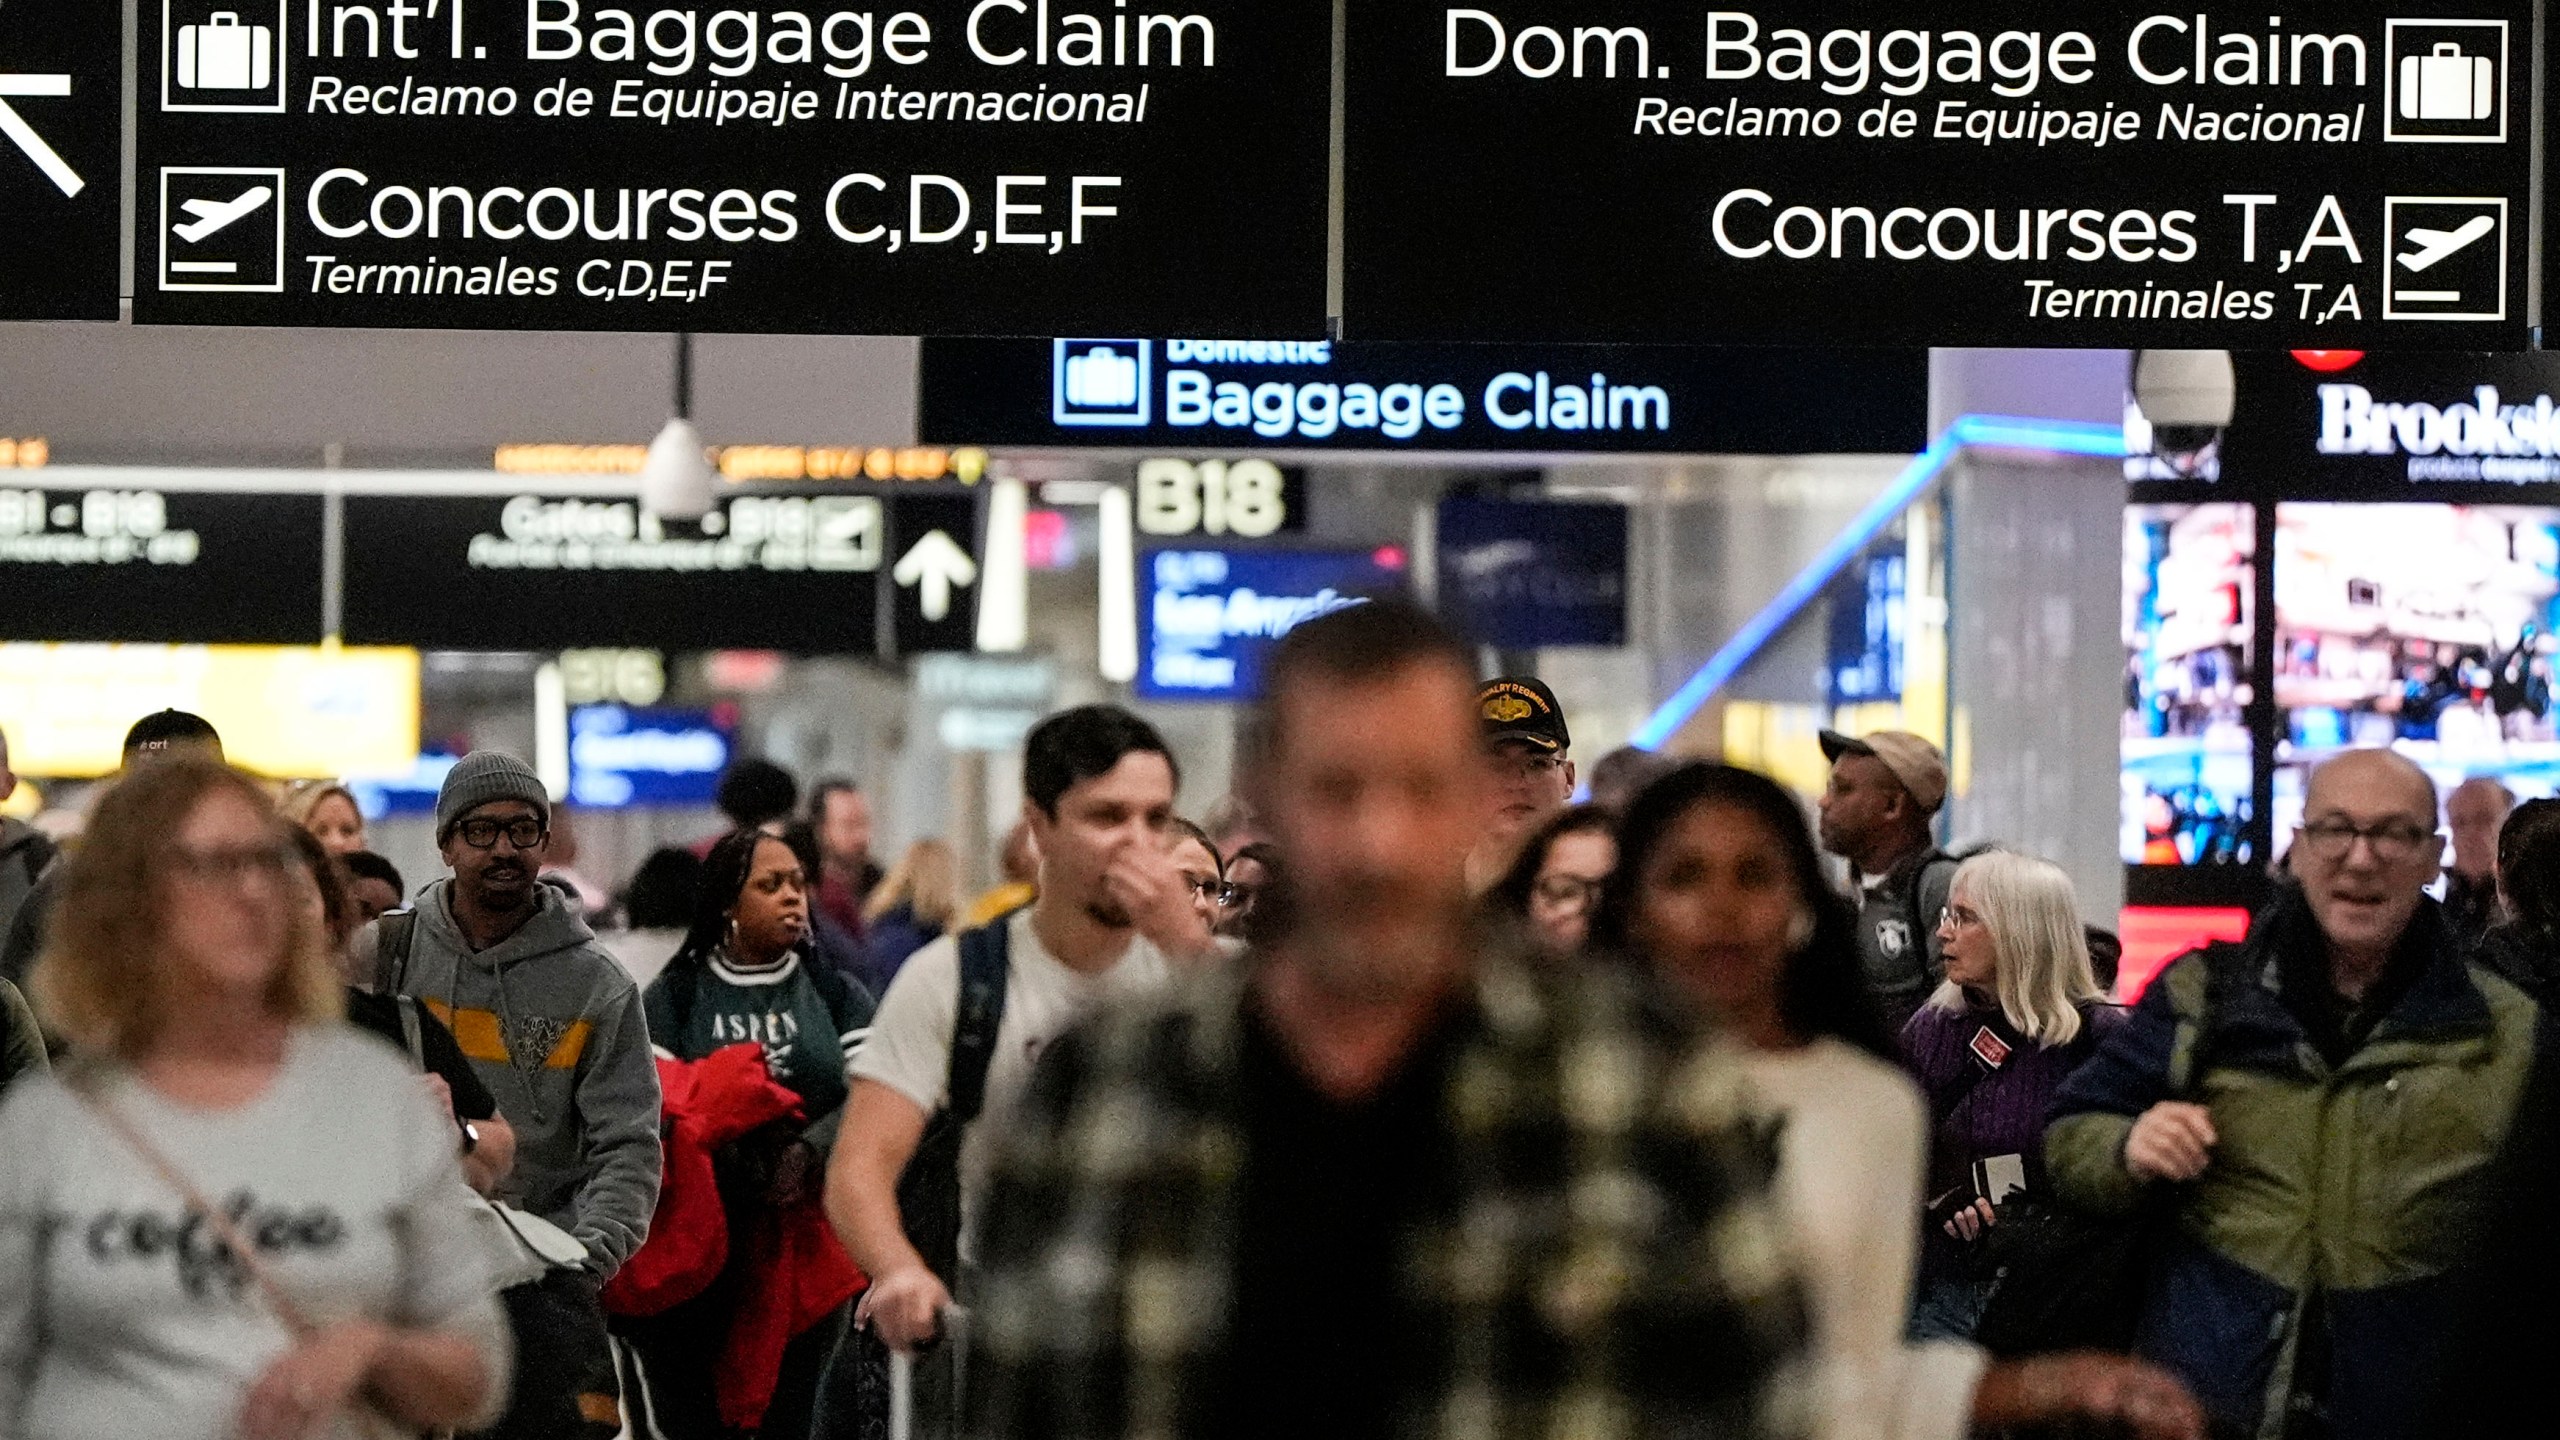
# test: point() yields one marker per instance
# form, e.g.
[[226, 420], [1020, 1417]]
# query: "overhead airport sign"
[[933, 166], [82, 560], [536, 571], [1963, 174], [2481, 429], [61, 148], [1320, 395]]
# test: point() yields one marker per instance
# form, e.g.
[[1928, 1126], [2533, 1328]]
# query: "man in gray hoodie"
[[553, 1024]]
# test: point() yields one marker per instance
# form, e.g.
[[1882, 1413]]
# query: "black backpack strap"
[[1912, 875], [985, 961], [411, 1031], [393, 936]]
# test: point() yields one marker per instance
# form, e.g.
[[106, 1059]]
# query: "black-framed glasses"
[[1562, 890], [524, 833], [1529, 767], [2335, 836], [1217, 892]]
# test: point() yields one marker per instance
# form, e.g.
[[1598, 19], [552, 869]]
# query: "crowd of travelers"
[[1419, 1088]]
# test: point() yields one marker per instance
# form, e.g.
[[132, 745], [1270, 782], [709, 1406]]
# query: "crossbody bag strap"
[[295, 1321], [1975, 1072]]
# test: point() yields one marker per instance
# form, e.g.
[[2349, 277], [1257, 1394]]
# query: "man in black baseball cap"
[[1531, 772], [160, 735], [170, 732]]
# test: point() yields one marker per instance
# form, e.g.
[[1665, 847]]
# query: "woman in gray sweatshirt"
[[230, 1215]]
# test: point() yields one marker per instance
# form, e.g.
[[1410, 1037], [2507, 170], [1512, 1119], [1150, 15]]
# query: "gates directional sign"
[[61, 112]]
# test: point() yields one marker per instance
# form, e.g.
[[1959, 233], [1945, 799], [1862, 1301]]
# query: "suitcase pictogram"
[[223, 54], [2447, 84]]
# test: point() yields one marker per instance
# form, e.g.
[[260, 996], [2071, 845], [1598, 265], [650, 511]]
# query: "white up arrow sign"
[[64, 178], [933, 566]]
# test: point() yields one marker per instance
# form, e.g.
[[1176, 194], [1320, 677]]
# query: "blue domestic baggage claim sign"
[[1321, 395], [61, 148], [1953, 172], [914, 167]]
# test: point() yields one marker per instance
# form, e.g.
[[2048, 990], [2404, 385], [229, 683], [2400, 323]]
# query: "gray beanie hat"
[[483, 776]]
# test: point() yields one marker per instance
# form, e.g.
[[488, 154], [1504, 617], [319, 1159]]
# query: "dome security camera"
[[2188, 396]]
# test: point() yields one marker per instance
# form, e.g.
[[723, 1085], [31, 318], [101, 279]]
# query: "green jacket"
[[2352, 1159]]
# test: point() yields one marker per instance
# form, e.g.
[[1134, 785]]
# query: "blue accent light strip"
[[2004, 432]]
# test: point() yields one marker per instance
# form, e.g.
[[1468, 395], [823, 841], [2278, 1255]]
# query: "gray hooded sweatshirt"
[[553, 1024]]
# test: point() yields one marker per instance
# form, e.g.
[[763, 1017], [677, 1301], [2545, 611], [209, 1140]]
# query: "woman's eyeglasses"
[[1221, 894], [233, 865], [1563, 890]]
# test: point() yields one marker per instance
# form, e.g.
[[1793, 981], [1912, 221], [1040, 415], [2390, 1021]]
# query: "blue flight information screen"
[[1206, 617]]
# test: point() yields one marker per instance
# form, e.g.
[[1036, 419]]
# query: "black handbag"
[[2066, 1280], [2070, 1280]]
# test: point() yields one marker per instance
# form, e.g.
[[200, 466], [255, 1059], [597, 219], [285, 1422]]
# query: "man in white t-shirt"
[[1113, 918]]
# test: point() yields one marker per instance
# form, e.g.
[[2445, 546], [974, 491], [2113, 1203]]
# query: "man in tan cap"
[[1885, 789]]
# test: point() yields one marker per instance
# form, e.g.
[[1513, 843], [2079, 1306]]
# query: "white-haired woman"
[[2018, 1012]]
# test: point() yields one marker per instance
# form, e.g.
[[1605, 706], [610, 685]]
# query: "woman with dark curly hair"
[[746, 975]]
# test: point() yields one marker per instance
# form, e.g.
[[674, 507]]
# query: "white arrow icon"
[[64, 178], [933, 566]]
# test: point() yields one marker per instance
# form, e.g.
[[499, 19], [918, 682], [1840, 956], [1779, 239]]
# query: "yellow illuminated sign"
[[740, 464], [292, 712]]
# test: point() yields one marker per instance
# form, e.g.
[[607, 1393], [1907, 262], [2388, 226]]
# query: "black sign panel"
[[2477, 429], [934, 579], [1522, 575], [1967, 174], [190, 567], [946, 166], [1317, 395], [61, 147], [535, 571]]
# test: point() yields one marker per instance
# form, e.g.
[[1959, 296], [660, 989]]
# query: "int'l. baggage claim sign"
[[1950, 172], [904, 166]]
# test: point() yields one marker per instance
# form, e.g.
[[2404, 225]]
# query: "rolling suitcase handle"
[[902, 1372]]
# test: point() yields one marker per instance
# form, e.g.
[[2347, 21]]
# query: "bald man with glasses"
[[2316, 1109]]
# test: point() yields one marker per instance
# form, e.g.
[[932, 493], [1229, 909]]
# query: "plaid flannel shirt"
[[1606, 1265]]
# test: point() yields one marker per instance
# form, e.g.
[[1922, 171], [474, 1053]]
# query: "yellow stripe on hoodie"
[[483, 1038]]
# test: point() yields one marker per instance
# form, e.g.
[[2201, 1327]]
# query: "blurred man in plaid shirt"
[[1382, 1179]]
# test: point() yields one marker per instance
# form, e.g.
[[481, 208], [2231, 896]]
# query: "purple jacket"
[[2004, 1112]]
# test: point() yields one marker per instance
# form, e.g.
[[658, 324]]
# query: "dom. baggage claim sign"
[[905, 166], [1958, 173]]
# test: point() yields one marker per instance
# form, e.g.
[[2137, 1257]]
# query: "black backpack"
[[929, 1187], [1914, 875]]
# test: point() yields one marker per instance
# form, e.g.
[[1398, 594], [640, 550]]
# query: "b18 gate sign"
[[813, 166], [1960, 173]]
